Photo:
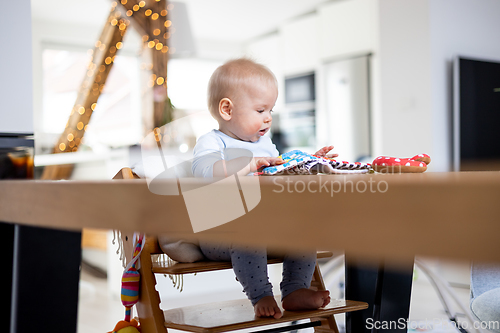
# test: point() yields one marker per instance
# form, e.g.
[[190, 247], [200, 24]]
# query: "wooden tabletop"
[[452, 215]]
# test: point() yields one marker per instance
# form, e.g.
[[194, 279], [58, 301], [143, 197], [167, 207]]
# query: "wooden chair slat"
[[205, 266]]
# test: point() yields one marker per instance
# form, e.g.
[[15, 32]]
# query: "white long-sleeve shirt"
[[210, 148]]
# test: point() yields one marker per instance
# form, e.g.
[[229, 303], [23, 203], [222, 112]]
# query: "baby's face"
[[252, 107]]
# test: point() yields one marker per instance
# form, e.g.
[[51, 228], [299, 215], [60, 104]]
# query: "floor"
[[100, 309]]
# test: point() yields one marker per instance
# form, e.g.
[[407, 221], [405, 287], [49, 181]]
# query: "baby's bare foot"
[[306, 299], [267, 307]]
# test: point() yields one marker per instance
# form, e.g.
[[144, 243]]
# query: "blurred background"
[[371, 77]]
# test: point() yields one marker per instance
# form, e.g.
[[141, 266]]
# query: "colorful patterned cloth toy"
[[130, 287], [387, 164], [131, 278], [298, 162]]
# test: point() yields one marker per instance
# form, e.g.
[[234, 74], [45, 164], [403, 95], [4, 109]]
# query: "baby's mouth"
[[262, 132]]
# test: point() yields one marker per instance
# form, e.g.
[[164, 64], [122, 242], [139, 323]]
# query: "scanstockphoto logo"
[[436, 324], [209, 204]]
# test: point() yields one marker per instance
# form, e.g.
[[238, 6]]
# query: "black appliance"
[[476, 114], [297, 124]]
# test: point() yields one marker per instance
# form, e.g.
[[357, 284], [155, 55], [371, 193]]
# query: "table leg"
[[387, 291], [7, 250], [44, 279]]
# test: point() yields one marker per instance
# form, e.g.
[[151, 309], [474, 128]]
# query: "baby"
[[241, 97]]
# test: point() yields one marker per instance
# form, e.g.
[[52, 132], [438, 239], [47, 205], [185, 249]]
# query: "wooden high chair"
[[220, 316]]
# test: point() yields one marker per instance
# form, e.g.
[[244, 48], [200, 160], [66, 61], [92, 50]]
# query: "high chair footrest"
[[239, 314], [292, 327]]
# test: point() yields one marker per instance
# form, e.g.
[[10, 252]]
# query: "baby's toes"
[[270, 311], [326, 301]]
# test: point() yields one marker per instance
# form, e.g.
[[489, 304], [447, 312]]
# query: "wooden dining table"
[[373, 218]]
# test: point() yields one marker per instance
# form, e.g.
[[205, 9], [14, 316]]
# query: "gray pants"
[[250, 267]]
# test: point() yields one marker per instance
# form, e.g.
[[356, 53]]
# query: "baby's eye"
[[260, 111], [271, 111]]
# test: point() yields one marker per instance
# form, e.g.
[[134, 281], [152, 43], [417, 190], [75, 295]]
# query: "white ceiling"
[[233, 21]]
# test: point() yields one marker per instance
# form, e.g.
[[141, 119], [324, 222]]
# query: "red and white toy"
[[387, 164]]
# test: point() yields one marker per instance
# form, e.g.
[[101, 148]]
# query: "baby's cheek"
[[257, 125]]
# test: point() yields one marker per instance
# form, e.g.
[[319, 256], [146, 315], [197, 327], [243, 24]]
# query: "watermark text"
[[332, 185]]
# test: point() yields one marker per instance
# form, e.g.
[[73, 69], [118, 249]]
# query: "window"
[[116, 120]]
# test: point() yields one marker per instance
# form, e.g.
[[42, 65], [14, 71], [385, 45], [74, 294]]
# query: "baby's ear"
[[225, 108]]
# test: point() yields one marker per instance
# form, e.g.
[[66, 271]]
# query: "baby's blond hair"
[[231, 77]]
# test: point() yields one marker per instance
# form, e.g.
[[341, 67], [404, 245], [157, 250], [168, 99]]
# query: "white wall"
[[16, 88], [458, 27], [300, 44], [346, 28], [404, 79], [268, 50], [213, 50]]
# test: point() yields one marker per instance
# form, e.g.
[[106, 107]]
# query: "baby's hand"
[[260, 162], [243, 165], [323, 152]]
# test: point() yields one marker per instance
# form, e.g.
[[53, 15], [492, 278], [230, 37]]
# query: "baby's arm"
[[243, 165]]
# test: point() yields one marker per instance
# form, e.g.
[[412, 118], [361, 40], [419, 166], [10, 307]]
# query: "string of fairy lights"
[[153, 42], [93, 84]]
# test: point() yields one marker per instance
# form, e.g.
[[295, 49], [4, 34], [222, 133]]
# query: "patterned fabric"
[[388, 164], [131, 279], [300, 163], [130, 287]]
